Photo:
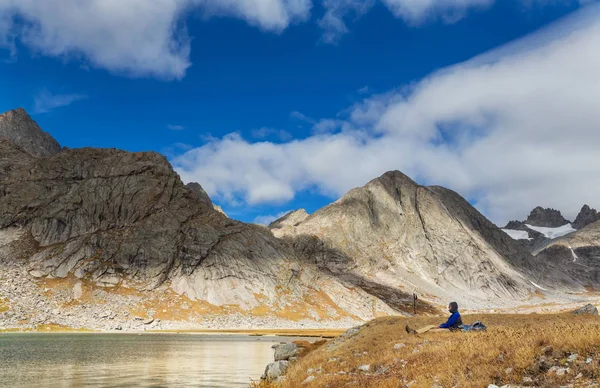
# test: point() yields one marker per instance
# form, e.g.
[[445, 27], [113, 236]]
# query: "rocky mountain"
[[544, 225], [101, 219], [546, 218], [429, 240], [103, 238], [586, 217], [575, 256], [17, 127]]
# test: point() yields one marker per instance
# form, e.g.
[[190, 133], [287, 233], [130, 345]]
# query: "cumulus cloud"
[[417, 11], [133, 37], [175, 127], [142, 38], [45, 101], [512, 129], [413, 12]]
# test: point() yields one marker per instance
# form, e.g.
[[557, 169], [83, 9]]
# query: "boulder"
[[285, 352], [275, 370], [588, 309]]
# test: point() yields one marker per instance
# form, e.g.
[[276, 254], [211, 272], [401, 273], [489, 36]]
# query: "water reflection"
[[99, 360]]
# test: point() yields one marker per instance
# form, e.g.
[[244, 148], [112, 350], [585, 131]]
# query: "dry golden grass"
[[55, 328], [3, 306], [46, 328], [507, 352]]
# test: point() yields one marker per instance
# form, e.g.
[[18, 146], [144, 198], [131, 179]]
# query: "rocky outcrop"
[[547, 218], [572, 259], [275, 370], [17, 127], [588, 309], [202, 195], [291, 219], [586, 217], [117, 219], [285, 353], [393, 234], [515, 225]]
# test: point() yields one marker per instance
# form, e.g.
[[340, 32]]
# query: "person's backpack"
[[477, 326]]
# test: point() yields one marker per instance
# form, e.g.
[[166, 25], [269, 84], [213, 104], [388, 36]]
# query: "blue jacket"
[[454, 321]]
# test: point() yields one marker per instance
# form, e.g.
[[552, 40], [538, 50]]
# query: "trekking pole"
[[415, 304]]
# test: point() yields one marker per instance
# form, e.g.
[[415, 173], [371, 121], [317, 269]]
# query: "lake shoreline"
[[309, 333]]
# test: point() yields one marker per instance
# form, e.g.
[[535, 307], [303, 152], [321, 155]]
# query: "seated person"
[[453, 323]]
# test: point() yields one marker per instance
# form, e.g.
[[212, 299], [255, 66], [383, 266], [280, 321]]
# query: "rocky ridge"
[[203, 196], [92, 231], [396, 234], [534, 235], [586, 217], [547, 218], [115, 220], [16, 126]]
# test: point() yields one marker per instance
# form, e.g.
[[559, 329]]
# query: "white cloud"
[[332, 22], [417, 11], [45, 101], [302, 117], [265, 132], [133, 37], [413, 12], [143, 38], [175, 127], [515, 128]]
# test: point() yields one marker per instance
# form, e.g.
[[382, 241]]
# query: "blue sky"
[[259, 89]]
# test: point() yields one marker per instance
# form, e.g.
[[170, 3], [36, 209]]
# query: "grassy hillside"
[[516, 349]]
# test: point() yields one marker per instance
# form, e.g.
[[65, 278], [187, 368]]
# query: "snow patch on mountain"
[[517, 234], [553, 233]]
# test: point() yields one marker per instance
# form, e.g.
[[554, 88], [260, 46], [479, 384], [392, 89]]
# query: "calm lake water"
[[124, 360]]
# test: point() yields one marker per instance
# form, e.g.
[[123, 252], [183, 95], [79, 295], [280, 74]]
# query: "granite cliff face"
[[428, 240], [122, 220], [17, 127]]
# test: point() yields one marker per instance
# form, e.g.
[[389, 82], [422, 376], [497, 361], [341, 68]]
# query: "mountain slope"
[[109, 219], [427, 240], [574, 257]]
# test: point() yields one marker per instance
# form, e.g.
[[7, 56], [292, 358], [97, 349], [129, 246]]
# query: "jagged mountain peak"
[[586, 217], [197, 189], [18, 127], [546, 217]]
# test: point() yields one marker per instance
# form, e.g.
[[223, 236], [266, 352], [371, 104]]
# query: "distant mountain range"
[[544, 225], [103, 228]]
